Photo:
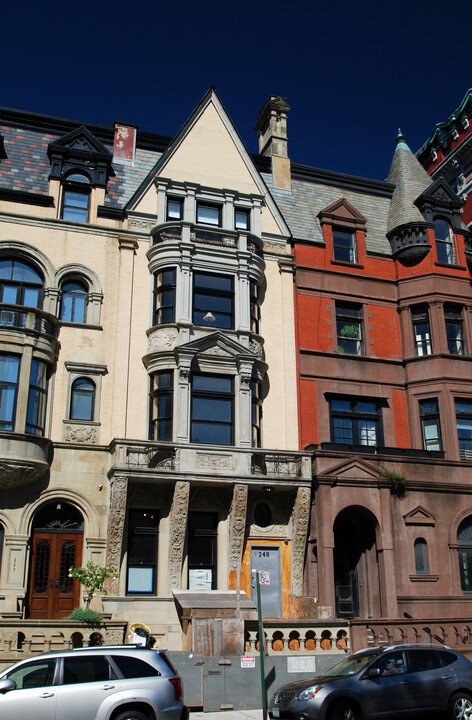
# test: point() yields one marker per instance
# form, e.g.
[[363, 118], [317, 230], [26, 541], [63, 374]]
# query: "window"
[[355, 422], [344, 245], [133, 667], [9, 371], [431, 429], [208, 214], [255, 308], [454, 329], [444, 242], [212, 409], [86, 669], [213, 300], [349, 328], [161, 405], [464, 541], [82, 404], [143, 530], [464, 427], [164, 296], [174, 209], [262, 515], [34, 674], [37, 398], [20, 284], [202, 557], [421, 556], [256, 413], [75, 198], [421, 330], [74, 302], [241, 219]]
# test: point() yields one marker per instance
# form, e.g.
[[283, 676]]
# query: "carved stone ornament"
[[206, 460], [217, 350], [11, 474], [184, 372], [245, 379], [164, 339], [300, 518], [237, 524], [116, 524], [177, 530], [80, 434], [114, 637], [256, 348], [140, 223]]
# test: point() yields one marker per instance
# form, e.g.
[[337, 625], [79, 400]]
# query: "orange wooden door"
[[52, 593]]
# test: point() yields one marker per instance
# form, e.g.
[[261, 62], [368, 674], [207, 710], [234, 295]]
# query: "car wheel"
[[345, 710], [460, 706], [131, 715]]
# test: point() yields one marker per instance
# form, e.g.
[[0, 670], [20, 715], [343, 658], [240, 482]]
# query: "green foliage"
[[87, 616], [350, 331], [398, 482], [92, 577]]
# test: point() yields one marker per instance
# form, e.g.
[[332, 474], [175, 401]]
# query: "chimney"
[[271, 127]]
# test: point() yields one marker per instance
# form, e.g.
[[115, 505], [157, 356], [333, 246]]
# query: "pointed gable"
[[209, 152], [342, 213], [80, 151], [353, 469], [419, 516]]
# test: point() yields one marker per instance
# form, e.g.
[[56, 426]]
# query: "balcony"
[[176, 232], [30, 326], [24, 458]]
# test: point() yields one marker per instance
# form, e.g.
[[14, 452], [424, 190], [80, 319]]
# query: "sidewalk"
[[227, 715]]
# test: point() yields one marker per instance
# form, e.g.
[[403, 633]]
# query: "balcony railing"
[[180, 231], [25, 318]]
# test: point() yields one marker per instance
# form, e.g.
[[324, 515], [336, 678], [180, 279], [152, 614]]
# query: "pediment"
[[216, 344], [80, 151], [419, 516], [439, 193], [353, 469], [209, 152], [80, 141], [342, 211]]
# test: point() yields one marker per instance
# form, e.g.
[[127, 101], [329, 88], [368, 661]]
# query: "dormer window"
[[75, 198], [344, 245], [444, 242]]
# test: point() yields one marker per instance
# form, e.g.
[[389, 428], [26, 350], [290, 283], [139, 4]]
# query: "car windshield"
[[350, 665]]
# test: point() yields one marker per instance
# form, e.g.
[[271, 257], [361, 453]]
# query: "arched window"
[[82, 403], [444, 242], [20, 283], [74, 301], [75, 198], [464, 541], [421, 556]]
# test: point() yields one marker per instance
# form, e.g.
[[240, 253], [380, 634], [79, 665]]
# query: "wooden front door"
[[52, 593]]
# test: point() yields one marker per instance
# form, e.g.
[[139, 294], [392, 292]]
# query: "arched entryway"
[[356, 572], [56, 544]]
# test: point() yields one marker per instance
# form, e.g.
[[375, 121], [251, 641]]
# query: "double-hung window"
[[464, 427], [174, 208], [9, 373], [344, 245], [164, 296], [212, 409], [208, 214], [37, 398], [161, 405], [73, 302], [241, 219], [76, 198], [444, 242], [82, 400], [355, 421], [421, 330], [454, 329], [430, 426], [349, 328], [213, 300]]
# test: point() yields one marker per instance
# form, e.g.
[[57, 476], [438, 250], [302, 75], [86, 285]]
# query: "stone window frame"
[[87, 277], [94, 373]]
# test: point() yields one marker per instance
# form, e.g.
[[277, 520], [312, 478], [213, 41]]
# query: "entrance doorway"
[[56, 545], [266, 560], [356, 573]]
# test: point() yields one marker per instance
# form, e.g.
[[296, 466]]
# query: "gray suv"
[[383, 682], [115, 682]]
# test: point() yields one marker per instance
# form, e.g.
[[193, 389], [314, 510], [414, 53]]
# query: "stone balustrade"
[[455, 633], [300, 638]]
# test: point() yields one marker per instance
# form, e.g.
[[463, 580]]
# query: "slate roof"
[[410, 180]]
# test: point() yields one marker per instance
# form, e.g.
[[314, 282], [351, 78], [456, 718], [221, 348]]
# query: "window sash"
[[75, 205], [344, 246], [212, 409], [355, 422], [209, 214], [9, 375]]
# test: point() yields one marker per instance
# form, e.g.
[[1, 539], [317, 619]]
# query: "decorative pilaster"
[[177, 529], [237, 525], [300, 519], [116, 524]]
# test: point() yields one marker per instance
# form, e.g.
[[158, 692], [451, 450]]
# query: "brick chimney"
[[271, 127]]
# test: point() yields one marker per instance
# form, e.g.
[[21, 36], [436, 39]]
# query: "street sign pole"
[[261, 648]]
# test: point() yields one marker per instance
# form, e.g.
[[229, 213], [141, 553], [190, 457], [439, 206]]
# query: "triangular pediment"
[[440, 193], [216, 344], [342, 210], [209, 152], [419, 516], [352, 469], [80, 141]]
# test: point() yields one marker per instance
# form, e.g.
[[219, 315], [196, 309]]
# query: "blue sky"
[[352, 72]]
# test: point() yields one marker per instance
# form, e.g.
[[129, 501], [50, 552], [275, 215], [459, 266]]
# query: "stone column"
[[183, 403], [116, 524], [177, 530], [245, 401], [438, 327], [325, 520], [300, 520], [237, 527], [387, 564]]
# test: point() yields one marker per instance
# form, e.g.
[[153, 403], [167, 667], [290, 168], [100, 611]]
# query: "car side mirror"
[[6, 686], [373, 673]]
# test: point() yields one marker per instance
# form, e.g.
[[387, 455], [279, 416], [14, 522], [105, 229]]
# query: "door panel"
[[266, 560], [52, 593]]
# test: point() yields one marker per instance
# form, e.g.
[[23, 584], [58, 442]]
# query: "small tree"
[[92, 577]]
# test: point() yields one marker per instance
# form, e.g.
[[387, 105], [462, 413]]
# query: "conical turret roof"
[[410, 180]]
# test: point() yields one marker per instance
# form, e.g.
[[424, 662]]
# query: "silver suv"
[[115, 682]]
